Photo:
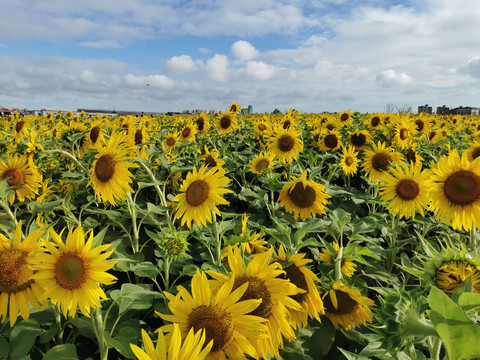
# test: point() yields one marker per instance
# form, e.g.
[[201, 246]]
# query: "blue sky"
[[323, 55]]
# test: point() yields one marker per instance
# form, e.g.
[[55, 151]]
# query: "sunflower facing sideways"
[[224, 316], [455, 191], [17, 288], [408, 190], [285, 143], [199, 193], [347, 265], [190, 349], [346, 306], [110, 174], [70, 272], [17, 172], [378, 160], [261, 163], [303, 197], [300, 275], [265, 282]]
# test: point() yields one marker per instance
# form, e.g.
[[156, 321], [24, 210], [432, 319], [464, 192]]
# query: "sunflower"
[[348, 267], [224, 316], [22, 128], [254, 243], [199, 193], [110, 175], [202, 123], [455, 191], [300, 275], [191, 348], [359, 139], [188, 132], [345, 117], [226, 122], [261, 163], [329, 141], [303, 197], [170, 141], [261, 126], [286, 144], [453, 273], [378, 160], [211, 159], [17, 288], [408, 190], [374, 121], [349, 160], [404, 130], [70, 272], [473, 150], [234, 107], [346, 306], [141, 138], [265, 283], [412, 156], [18, 173]]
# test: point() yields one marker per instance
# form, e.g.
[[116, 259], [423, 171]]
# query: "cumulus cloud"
[[216, 67], [156, 81], [244, 50], [389, 78], [472, 67], [180, 65], [260, 70]]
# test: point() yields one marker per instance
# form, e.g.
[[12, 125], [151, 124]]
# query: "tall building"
[[425, 109], [443, 110]]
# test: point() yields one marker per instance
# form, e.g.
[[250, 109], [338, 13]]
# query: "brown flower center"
[[330, 126], [138, 137], [261, 127], [345, 304], [349, 160], [225, 122], [216, 322], [262, 165], [297, 278], [70, 271], [19, 126], [170, 141], [331, 141], [420, 124], [407, 189], [381, 161], [286, 143], [14, 177], [94, 133], [411, 155], [286, 124], [200, 124], [462, 187], [256, 290], [358, 139], [344, 117], [197, 192], [105, 167], [403, 134], [476, 152], [375, 121], [301, 196], [14, 273], [186, 132], [210, 161]]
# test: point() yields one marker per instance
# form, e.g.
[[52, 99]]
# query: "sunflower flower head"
[[71, 271], [17, 288], [328, 256]]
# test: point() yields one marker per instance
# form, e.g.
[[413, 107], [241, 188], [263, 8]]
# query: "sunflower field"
[[240, 236]]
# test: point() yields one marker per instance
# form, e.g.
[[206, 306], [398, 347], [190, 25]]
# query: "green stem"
[[473, 239], [166, 279], [218, 239], [58, 321], [99, 328], [9, 213], [435, 347], [66, 153], [133, 215], [339, 257]]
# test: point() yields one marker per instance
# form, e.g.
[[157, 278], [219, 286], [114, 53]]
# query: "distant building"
[[443, 110], [247, 110], [425, 109], [465, 110]]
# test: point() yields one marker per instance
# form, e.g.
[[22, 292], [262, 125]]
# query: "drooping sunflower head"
[[346, 306], [329, 254], [17, 288], [304, 197], [374, 121], [473, 150], [455, 191], [262, 162]]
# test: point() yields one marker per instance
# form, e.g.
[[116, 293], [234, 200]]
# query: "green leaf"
[[4, 348], [121, 342], [62, 352], [340, 217], [469, 301], [352, 356], [458, 333], [133, 297], [322, 340], [23, 337]]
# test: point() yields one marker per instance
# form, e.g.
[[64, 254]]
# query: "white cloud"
[[244, 50], [180, 65], [216, 67], [155, 81], [389, 78], [472, 67], [260, 70]]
